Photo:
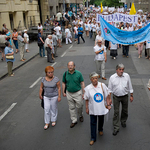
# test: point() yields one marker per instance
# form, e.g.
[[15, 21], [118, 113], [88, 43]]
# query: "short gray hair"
[[19, 32], [93, 74], [120, 66]]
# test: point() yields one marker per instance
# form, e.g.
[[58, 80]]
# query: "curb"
[[17, 67]]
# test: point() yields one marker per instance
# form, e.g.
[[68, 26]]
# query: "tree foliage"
[[109, 3]]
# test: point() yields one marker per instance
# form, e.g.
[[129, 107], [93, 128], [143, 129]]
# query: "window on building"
[[11, 21], [24, 19]]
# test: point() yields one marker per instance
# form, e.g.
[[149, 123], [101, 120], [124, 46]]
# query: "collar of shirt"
[[116, 75], [72, 73]]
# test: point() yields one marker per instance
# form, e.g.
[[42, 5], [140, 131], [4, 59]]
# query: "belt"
[[120, 96]]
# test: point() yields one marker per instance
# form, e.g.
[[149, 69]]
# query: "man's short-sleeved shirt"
[[73, 81], [79, 30]]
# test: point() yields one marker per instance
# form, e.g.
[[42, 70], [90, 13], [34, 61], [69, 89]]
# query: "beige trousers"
[[75, 101], [21, 52]]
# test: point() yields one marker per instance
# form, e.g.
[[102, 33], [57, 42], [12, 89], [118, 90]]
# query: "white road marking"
[[66, 51], [7, 111], [70, 47], [35, 82], [63, 54], [54, 64]]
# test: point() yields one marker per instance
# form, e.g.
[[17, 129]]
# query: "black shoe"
[[123, 125], [56, 56], [73, 124], [81, 119], [115, 132], [51, 61]]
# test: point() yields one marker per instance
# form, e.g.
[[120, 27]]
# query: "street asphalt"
[[22, 126]]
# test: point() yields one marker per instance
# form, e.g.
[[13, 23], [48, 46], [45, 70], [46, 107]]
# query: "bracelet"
[[131, 95]]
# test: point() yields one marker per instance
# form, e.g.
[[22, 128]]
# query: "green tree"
[[109, 3]]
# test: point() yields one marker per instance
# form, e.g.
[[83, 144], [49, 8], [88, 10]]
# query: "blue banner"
[[118, 36]]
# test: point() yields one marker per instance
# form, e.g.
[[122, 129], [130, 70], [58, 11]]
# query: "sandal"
[[46, 127], [53, 124]]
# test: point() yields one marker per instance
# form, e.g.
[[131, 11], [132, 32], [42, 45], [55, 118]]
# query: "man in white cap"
[[26, 39]]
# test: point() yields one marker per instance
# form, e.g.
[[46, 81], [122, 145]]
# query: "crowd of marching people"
[[97, 95], [68, 26]]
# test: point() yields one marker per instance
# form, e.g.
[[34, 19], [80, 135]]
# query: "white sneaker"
[[45, 56], [114, 57]]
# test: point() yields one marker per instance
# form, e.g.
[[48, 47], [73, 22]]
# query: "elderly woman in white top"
[[26, 39], [98, 104]]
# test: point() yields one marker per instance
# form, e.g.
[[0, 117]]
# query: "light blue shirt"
[[9, 50]]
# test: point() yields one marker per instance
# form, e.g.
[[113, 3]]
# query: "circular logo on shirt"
[[101, 51], [98, 97]]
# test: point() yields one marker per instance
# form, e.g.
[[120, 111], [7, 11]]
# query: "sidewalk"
[[34, 51]]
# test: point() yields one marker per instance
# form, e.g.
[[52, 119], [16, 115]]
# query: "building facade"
[[139, 4], [58, 5], [21, 14]]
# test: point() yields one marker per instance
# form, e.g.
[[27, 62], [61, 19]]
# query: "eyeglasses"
[[99, 42], [50, 72]]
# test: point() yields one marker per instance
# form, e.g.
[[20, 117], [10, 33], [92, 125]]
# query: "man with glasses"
[[100, 58], [74, 83]]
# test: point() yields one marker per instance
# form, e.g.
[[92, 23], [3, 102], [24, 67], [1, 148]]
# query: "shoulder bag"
[[10, 57]]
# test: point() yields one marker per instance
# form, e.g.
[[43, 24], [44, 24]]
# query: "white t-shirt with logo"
[[147, 44], [86, 26], [99, 56], [94, 27], [97, 98]]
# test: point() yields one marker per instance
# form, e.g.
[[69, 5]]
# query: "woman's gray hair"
[[119, 66], [93, 74], [19, 32]]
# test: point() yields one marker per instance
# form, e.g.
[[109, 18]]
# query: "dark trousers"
[[55, 50], [91, 33], [40, 50], [49, 55], [93, 124], [124, 112], [80, 35], [126, 50], [106, 43]]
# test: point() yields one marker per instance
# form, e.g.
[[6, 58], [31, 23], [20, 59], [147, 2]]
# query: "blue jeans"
[[16, 43], [80, 35], [40, 50], [93, 124]]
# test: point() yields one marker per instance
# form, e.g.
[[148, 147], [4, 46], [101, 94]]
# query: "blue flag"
[[118, 36]]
